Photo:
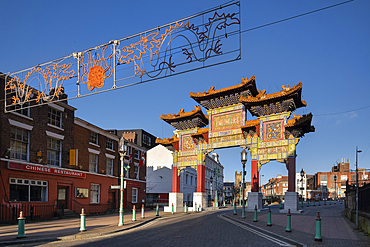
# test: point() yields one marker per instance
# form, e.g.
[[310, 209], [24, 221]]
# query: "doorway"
[[62, 202]]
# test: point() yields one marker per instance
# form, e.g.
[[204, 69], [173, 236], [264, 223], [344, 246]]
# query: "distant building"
[[238, 185], [137, 136], [301, 185], [333, 184], [275, 187], [228, 190]]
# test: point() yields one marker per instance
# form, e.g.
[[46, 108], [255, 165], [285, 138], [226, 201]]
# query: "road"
[[205, 229]]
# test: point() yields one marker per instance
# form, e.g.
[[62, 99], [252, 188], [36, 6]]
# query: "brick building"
[[52, 162], [332, 184], [275, 188], [135, 177]]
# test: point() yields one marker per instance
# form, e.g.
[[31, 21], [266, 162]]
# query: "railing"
[[10, 213], [91, 208], [153, 203]]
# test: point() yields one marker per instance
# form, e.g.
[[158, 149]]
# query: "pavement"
[[336, 230]]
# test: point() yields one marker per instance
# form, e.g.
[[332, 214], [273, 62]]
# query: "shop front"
[[51, 190]]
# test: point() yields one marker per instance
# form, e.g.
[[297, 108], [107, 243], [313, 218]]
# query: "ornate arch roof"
[[288, 99], [212, 98], [187, 120]]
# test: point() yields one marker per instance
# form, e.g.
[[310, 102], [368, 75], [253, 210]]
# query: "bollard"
[[288, 222], [142, 211], [330, 202], [324, 202], [318, 228], [172, 209], [313, 202], [21, 221], [82, 225], [133, 214], [269, 217], [234, 208], [185, 208], [255, 214], [319, 202], [340, 201], [335, 201], [157, 210], [195, 207], [281, 205]]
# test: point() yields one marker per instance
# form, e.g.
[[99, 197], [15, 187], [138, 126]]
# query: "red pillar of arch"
[[254, 176], [201, 169], [175, 181], [291, 174]]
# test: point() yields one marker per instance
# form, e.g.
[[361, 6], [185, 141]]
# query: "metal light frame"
[[122, 149], [243, 160]]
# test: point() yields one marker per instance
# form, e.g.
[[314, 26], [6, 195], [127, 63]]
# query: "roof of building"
[[167, 141]]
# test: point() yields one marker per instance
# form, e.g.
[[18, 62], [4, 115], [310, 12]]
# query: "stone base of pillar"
[[254, 198], [290, 202], [178, 202], [200, 198]]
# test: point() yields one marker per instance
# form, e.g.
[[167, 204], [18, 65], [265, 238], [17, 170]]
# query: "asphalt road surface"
[[205, 229]]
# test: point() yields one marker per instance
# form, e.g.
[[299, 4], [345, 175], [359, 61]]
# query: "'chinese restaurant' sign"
[[46, 170]]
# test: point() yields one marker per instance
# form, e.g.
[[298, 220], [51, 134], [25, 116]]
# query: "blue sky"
[[327, 51]]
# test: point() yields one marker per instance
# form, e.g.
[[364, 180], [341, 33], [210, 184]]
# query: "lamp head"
[[244, 156], [302, 173], [122, 149]]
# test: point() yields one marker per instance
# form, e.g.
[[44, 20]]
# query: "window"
[[343, 178], [147, 139], [21, 109], [134, 195], [95, 193], [186, 179], [93, 138], [25, 190], [323, 178], [55, 117], [136, 172], [19, 143], [109, 143], [54, 150], [136, 154], [93, 162], [353, 177], [109, 166], [191, 180]]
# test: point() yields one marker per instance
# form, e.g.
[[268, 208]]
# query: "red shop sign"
[[133, 184], [46, 170]]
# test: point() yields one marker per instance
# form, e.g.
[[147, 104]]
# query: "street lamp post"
[[122, 151], [357, 151], [271, 192], [244, 160], [302, 175], [211, 179], [335, 181], [216, 174], [260, 182]]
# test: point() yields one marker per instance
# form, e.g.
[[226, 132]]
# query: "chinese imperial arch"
[[273, 135]]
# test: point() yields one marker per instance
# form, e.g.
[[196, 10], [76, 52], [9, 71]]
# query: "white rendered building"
[[159, 175], [301, 183]]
